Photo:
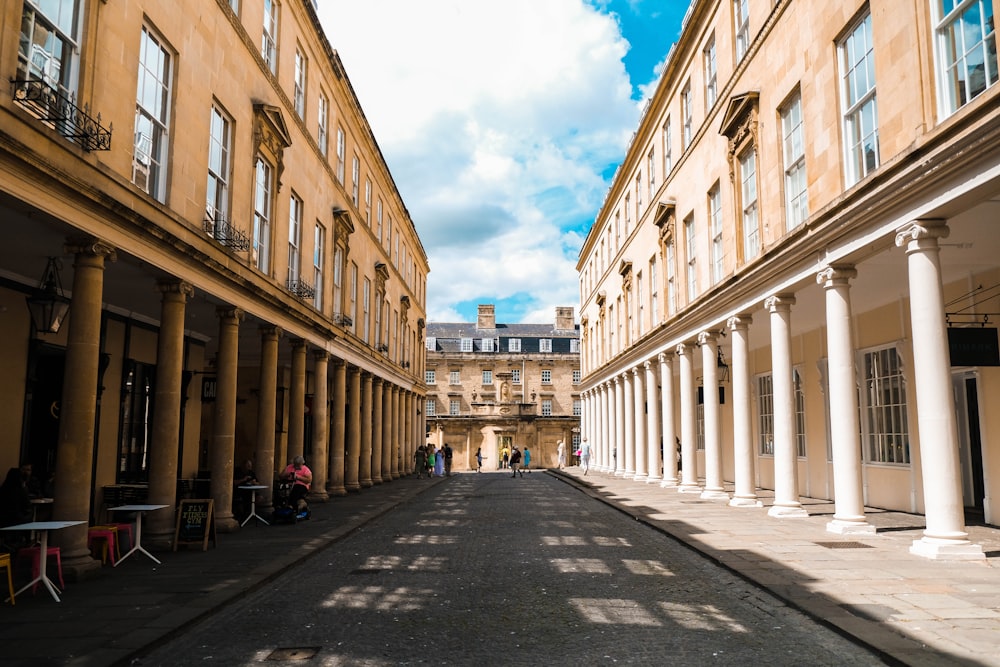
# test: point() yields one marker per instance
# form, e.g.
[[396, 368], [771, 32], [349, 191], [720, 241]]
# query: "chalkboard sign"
[[195, 523]]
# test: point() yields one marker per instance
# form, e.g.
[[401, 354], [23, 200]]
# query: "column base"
[[714, 494], [668, 482], [226, 524], [160, 541], [787, 511], [640, 477], [841, 527], [355, 487], [366, 484], [79, 566], [688, 488], [619, 473], [336, 491], [628, 474], [745, 501], [653, 480], [938, 549], [317, 497]]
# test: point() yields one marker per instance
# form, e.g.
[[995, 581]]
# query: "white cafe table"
[[139, 510], [253, 489], [43, 528]]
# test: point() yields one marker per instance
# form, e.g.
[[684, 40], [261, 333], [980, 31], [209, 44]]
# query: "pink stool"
[[34, 553], [124, 528], [107, 534]]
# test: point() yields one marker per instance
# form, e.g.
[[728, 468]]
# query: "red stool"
[[123, 528], [108, 546], [34, 553]]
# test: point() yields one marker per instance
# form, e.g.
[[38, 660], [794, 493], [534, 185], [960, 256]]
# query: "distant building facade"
[[796, 271], [243, 278], [491, 385]]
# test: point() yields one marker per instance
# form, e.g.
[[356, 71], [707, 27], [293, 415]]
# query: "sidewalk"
[[107, 620], [914, 610]]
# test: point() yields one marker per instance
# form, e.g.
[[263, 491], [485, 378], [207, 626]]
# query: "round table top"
[[40, 501], [251, 487]]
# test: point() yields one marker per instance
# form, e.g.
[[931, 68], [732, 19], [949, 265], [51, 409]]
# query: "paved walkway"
[[918, 611]]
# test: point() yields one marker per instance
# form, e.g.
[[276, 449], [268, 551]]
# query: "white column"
[[945, 536], [689, 442], [653, 435], [786, 460], [714, 489], [849, 506], [606, 428], [639, 444], [617, 445], [628, 408], [667, 414], [745, 493]]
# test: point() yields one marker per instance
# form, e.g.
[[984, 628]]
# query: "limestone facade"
[[800, 241], [233, 248]]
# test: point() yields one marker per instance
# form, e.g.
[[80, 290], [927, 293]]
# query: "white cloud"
[[496, 120]]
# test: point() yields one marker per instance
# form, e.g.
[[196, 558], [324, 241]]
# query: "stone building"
[[492, 385], [197, 182], [796, 271]]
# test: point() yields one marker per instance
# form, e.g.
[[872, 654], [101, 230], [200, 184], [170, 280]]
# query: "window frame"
[[263, 214], [153, 110], [269, 36], [875, 413], [854, 107], [952, 94], [793, 153]]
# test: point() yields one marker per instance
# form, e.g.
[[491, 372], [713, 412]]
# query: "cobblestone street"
[[485, 569]]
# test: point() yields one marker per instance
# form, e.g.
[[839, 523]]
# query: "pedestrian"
[[527, 460], [479, 459], [420, 461], [447, 459], [515, 461], [585, 456], [431, 460], [561, 454], [439, 463], [504, 457], [301, 477]]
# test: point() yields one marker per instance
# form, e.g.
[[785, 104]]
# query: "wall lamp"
[[48, 305]]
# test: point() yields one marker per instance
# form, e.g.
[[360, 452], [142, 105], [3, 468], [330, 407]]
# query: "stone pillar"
[[849, 512], [406, 405], [352, 460], [386, 426], [397, 430], [689, 437], [224, 429], [628, 411], [669, 428], [654, 459], [945, 536], [365, 462], [320, 463], [377, 394], [165, 433], [297, 402], [75, 453], [786, 459], [601, 435], [619, 444], [265, 466], [745, 493], [338, 442], [640, 446], [714, 489]]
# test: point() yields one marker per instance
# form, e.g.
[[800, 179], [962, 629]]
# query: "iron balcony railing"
[[301, 289], [219, 229], [62, 114]]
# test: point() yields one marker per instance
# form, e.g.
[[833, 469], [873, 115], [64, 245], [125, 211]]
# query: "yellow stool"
[[109, 544], [5, 562]]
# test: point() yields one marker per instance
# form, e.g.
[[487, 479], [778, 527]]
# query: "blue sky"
[[502, 124]]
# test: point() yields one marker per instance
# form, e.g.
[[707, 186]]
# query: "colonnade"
[[614, 407], [364, 432]]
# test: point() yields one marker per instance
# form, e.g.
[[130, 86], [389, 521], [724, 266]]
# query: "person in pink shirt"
[[301, 477]]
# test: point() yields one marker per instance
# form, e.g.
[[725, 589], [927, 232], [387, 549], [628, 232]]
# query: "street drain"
[[845, 545], [296, 653], [366, 570]]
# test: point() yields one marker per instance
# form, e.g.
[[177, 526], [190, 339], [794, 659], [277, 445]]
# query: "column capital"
[[88, 245], [337, 361], [779, 302], [635, 371], [647, 364], [297, 343], [706, 337], [682, 349], [230, 312], [378, 380], [739, 322], [180, 288], [836, 275], [271, 332], [922, 234], [615, 380], [321, 355]]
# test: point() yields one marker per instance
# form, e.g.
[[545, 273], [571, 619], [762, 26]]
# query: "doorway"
[[42, 404], [965, 387], [503, 442]]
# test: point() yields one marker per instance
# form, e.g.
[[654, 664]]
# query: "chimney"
[[487, 317], [564, 318]]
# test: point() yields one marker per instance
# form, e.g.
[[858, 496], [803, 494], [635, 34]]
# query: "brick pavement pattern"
[[485, 569]]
